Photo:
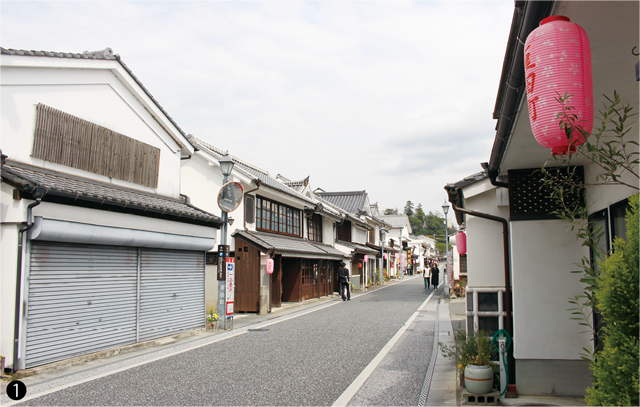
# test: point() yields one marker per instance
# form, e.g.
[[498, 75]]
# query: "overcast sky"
[[393, 97]]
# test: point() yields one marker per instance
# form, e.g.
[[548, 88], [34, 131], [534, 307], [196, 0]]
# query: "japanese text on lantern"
[[531, 82]]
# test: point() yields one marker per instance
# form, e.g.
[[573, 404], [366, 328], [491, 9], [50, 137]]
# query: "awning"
[[290, 246]]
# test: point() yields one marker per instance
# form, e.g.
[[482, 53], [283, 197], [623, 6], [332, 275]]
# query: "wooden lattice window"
[[307, 272], [277, 218], [68, 140], [529, 200], [314, 228]]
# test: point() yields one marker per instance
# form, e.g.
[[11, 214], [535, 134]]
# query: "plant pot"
[[212, 326], [478, 379]]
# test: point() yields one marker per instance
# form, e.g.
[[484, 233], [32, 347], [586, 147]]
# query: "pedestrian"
[[345, 281], [435, 273], [426, 273]]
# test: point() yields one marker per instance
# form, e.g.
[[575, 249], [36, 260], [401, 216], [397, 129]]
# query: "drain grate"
[[258, 329]]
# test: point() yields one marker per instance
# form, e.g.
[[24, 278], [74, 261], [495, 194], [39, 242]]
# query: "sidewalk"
[[457, 315]]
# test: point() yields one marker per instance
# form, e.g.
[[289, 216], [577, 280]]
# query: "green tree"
[[616, 367], [420, 215], [393, 211], [408, 208]]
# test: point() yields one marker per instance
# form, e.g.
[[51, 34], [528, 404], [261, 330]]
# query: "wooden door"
[[276, 282], [291, 276], [322, 278], [247, 292]]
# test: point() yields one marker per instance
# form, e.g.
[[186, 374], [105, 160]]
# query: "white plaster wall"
[[543, 256], [358, 235], [94, 95], [201, 182], [485, 249], [327, 231]]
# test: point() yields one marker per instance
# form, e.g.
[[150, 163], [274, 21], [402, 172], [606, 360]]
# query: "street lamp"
[[445, 208], [226, 166]]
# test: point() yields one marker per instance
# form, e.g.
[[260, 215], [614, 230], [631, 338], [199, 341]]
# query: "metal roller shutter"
[[81, 299], [172, 292]]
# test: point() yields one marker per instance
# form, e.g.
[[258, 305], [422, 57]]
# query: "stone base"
[[489, 399]]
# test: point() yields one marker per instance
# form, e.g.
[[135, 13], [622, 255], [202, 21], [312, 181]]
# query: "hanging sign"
[[230, 196], [230, 283]]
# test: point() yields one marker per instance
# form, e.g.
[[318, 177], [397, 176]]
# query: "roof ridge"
[[219, 151]]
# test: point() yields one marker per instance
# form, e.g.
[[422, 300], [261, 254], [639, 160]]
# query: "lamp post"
[[445, 208], [226, 166]]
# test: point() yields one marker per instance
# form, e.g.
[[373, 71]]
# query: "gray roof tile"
[[287, 244], [352, 202], [396, 221], [27, 177]]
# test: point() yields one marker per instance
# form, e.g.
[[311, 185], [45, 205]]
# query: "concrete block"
[[489, 399]]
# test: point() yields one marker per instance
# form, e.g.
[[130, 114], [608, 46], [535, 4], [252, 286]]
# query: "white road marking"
[[351, 391], [177, 352]]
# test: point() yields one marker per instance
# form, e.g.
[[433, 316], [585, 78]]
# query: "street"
[[309, 358]]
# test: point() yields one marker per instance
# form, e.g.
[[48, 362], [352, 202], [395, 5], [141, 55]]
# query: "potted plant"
[[472, 353], [212, 321]]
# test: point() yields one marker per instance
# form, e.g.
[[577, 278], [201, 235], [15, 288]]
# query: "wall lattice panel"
[[529, 200]]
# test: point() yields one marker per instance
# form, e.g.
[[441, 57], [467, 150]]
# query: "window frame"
[[314, 228], [288, 220]]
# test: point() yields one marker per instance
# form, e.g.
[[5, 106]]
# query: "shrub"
[[472, 349], [616, 367]]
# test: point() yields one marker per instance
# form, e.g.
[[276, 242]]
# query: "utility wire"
[[119, 21]]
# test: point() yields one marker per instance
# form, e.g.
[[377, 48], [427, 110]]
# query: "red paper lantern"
[[270, 266], [461, 243], [366, 258], [557, 60]]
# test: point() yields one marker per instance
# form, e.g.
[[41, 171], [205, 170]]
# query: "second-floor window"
[[344, 231], [315, 228], [277, 218]]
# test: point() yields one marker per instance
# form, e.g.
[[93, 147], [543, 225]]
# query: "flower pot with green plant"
[[472, 353], [212, 321]]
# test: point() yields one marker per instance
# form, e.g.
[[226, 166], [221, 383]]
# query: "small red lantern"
[[557, 60], [270, 266], [461, 243], [366, 258]]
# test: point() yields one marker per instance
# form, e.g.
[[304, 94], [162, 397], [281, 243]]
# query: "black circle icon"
[[16, 390]]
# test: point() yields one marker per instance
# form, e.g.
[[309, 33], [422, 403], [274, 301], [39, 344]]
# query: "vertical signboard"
[[230, 284]]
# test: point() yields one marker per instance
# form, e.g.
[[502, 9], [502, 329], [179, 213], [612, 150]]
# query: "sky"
[[391, 97]]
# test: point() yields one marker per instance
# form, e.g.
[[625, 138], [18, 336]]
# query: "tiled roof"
[[285, 244], [396, 221], [352, 202], [248, 169], [357, 247], [466, 181], [78, 191], [106, 55]]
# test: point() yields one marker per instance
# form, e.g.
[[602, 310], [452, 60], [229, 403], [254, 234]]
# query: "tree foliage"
[[616, 367]]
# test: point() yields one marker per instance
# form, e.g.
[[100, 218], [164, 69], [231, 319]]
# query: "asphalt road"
[[308, 360]]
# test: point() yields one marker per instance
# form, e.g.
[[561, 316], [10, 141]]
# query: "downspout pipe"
[[38, 195], [492, 174], [505, 237]]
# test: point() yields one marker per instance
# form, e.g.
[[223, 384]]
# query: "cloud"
[[391, 97]]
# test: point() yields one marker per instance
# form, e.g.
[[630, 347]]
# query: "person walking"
[[435, 274], [344, 280], [426, 273]]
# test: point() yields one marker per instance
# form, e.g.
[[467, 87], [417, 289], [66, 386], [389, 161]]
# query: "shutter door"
[[172, 292], [82, 298]]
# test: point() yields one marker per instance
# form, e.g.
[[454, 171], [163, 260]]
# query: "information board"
[[230, 284]]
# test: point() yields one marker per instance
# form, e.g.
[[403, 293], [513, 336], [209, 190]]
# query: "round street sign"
[[230, 196]]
